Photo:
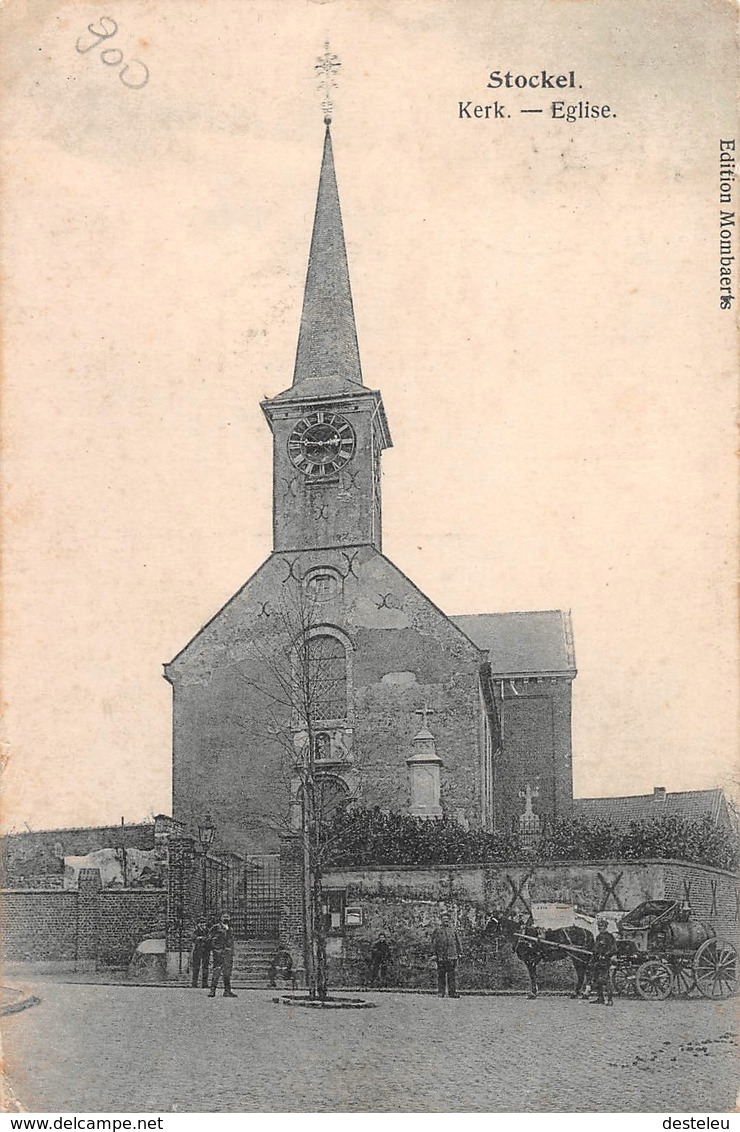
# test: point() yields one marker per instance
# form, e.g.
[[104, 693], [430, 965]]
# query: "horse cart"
[[661, 951]]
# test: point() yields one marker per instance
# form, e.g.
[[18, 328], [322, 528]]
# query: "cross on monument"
[[424, 712], [326, 68]]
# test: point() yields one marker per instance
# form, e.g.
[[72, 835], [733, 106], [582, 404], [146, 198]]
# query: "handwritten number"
[[134, 86], [109, 19], [112, 57], [99, 36]]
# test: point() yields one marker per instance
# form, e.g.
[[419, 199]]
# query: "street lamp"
[[206, 834]]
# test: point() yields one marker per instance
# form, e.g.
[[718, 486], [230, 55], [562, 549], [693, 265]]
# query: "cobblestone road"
[[137, 1049]]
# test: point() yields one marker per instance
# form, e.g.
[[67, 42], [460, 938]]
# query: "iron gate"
[[220, 885], [262, 896]]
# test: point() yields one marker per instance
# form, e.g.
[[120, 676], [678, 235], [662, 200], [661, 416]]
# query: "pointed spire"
[[327, 340]]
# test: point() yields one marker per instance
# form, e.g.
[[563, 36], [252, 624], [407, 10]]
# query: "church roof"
[[327, 340], [538, 643], [690, 804]]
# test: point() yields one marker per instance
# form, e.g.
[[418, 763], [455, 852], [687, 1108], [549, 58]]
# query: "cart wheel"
[[623, 981], [653, 980], [683, 981], [715, 969]]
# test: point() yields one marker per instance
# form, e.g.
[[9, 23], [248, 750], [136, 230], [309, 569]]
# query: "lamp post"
[[206, 834]]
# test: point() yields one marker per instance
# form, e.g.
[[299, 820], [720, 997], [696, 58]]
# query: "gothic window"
[[327, 671]]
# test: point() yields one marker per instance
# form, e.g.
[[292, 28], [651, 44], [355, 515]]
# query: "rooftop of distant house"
[[689, 804]]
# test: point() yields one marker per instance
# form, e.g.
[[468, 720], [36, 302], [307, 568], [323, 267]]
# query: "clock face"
[[321, 444]]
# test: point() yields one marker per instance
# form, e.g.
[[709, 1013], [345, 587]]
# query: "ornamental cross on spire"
[[326, 69], [425, 712]]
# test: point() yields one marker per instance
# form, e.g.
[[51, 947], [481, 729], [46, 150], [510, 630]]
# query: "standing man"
[[201, 953], [605, 947], [222, 950], [447, 950], [380, 956]]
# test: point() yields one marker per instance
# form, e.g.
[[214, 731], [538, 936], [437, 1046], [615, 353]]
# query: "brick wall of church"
[[536, 727], [227, 765], [405, 655]]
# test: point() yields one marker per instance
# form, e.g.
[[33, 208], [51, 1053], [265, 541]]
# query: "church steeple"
[[329, 430], [327, 340]]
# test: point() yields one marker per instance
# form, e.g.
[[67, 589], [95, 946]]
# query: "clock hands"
[[317, 445]]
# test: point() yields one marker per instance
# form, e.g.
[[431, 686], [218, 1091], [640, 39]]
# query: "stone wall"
[[79, 929], [405, 903], [43, 851]]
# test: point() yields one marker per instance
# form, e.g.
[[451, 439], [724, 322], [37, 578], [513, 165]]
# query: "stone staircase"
[[251, 962]]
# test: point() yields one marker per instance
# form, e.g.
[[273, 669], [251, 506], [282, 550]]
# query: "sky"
[[536, 299]]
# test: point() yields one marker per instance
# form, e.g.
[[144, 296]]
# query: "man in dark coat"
[[222, 951], [201, 953], [447, 950], [380, 957], [605, 947]]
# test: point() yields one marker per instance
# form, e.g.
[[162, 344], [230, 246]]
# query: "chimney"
[[659, 793]]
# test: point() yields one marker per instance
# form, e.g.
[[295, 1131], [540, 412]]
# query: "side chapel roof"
[[538, 643]]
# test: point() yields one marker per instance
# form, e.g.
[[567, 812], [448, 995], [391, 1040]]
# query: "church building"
[[407, 708]]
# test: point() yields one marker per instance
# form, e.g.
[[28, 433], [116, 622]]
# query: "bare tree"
[[298, 669]]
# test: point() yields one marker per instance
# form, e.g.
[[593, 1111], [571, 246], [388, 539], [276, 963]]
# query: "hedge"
[[360, 836]]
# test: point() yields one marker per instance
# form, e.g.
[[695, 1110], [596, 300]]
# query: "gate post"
[[291, 899], [184, 896], [89, 885]]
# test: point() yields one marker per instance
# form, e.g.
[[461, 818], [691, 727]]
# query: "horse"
[[535, 945]]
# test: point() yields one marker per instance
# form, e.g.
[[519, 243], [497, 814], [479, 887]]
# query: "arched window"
[[331, 793], [327, 679]]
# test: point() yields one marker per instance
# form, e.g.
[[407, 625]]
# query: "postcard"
[[369, 382]]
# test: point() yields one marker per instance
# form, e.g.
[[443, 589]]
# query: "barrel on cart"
[[661, 951]]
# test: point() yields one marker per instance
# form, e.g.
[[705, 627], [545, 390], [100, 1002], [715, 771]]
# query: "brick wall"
[[536, 739], [714, 896], [127, 917], [80, 928], [39, 925]]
